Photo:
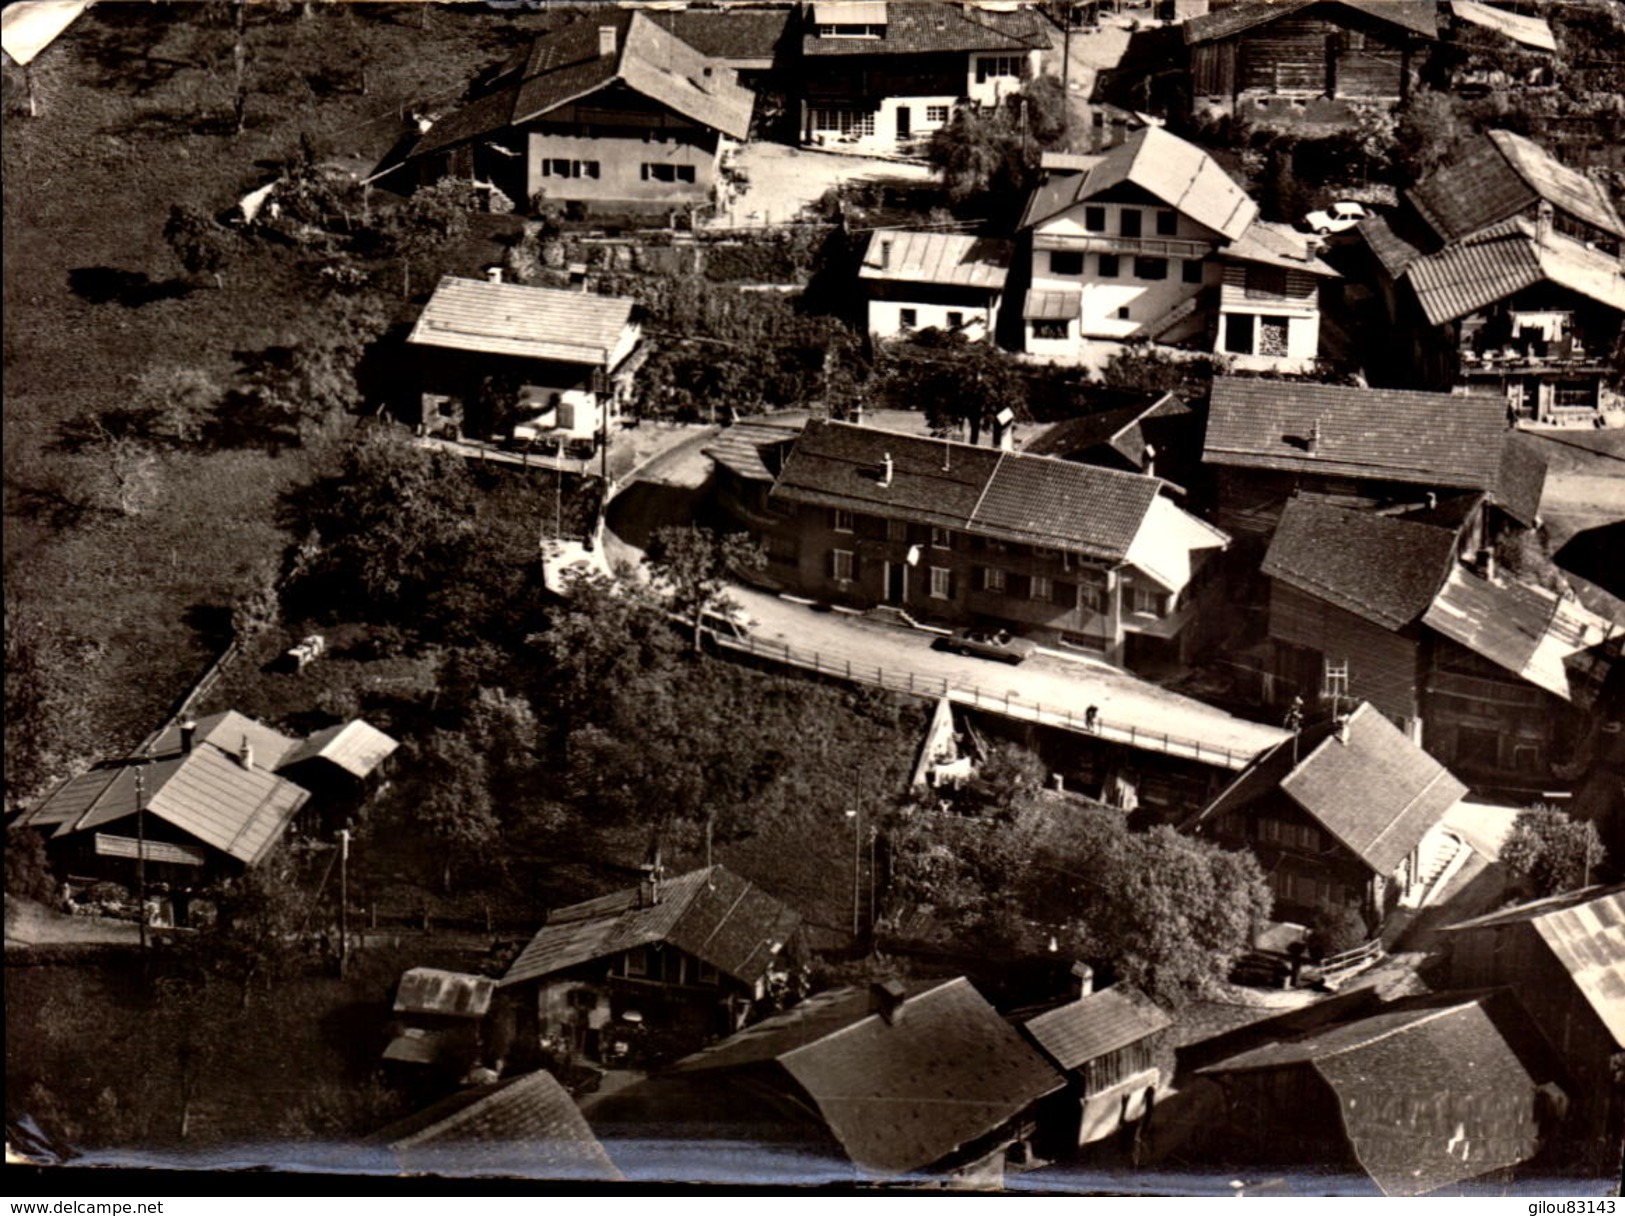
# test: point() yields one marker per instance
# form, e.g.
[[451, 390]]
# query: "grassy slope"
[[129, 125]]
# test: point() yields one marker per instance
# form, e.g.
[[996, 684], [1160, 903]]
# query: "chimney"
[[1486, 562], [1343, 729], [1433, 500], [493, 274], [885, 470], [1543, 223], [1314, 437], [886, 998], [245, 754], [1150, 460], [885, 252], [1081, 980], [188, 735], [606, 42]]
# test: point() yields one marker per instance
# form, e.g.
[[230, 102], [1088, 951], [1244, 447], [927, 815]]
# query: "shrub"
[[28, 869]]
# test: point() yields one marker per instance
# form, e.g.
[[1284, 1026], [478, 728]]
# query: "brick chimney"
[[606, 41], [886, 998], [188, 735]]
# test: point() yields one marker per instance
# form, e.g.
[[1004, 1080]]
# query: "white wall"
[[996, 88], [884, 138], [885, 318]]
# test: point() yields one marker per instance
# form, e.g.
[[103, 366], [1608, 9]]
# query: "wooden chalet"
[[1348, 813], [933, 280], [1298, 63]]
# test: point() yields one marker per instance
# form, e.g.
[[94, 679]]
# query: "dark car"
[[986, 644]]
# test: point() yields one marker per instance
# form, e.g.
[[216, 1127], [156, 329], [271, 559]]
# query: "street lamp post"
[[856, 817]]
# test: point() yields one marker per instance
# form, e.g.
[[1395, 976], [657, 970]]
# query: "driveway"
[[784, 181]]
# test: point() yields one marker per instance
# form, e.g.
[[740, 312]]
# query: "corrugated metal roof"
[[514, 319], [446, 993], [713, 914], [1527, 630], [1099, 1023], [1585, 931], [1378, 793], [919, 27], [1417, 16], [949, 258], [1529, 31], [849, 12], [28, 27], [1051, 305], [1179, 173], [1426, 439], [356, 747], [525, 1126]]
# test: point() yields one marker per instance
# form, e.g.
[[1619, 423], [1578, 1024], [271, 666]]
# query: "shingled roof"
[[753, 450], [1431, 1090], [566, 65], [527, 322], [741, 37], [712, 914], [1585, 931], [1178, 173], [1382, 569], [900, 1091], [1376, 792], [1501, 175], [525, 1126], [1415, 16], [923, 27], [1094, 1025], [1118, 426], [1003, 495], [1425, 439]]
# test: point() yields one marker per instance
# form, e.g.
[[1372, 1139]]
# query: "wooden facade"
[[1384, 667]]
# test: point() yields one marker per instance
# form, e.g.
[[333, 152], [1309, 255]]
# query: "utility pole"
[[1067, 16], [344, 899], [141, 852], [856, 816]]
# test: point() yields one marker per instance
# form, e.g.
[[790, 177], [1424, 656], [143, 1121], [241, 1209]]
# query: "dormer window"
[[852, 30]]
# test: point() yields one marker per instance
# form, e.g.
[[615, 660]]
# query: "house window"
[[1167, 223], [637, 961], [1574, 394], [1065, 262], [1110, 266], [841, 520], [941, 538], [992, 579], [1238, 333], [850, 124], [1122, 313], [1092, 597], [1129, 224], [668, 173], [1146, 601], [1050, 330], [705, 974], [1154, 269], [1094, 219], [908, 318], [942, 582], [937, 114], [1190, 271], [1040, 588], [956, 320], [852, 30], [990, 67], [1265, 282], [1272, 336], [842, 565]]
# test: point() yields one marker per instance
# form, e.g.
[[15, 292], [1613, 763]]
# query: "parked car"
[[724, 623], [1339, 217], [986, 644]]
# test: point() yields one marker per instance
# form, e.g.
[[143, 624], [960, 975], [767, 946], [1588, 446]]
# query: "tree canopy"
[[956, 381], [1552, 852], [693, 565]]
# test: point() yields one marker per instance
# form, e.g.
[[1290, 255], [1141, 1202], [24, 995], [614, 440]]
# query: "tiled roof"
[[1520, 483], [1382, 569], [228, 731], [1527, 630], [1269, 244], [1391, 244], [1533, 32], [1116, 426], [444, 993], [899, 1094], [1432, 1090], [1585, 931], [753, 450], [1178, 173], [1426, 439], [1004, 495], [1099, 1023], [525, 1126], [950, 258], [713, 915], [1503, 259], [357, 747], [530, 322], [923, 27], [739, 36], [1378, 793], [1417, 16], [1503, 175]]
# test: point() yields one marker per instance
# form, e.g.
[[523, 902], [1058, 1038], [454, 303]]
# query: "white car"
[[1339, 217]]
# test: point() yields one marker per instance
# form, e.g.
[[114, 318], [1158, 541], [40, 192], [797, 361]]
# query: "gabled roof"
[[357, 747], [741, 37], [1393, 243], [1117, 427], [1377, 793], [1520, 483], [1416, 16], [1007, 496], [1533, 32], [525, 1126], [899, 1093], [1502, 175], [923, 27], [444, 993], [528, 322], [712, 914], [1266, 243], [753, 450], [1432, 1090], [1585, 931], [1503, 259], [228, 731], [1178, 173], [1095, 1025], [29, 27], [1527, 630], [565, 65], [1425, 439], [1382, 569], [950, 258]]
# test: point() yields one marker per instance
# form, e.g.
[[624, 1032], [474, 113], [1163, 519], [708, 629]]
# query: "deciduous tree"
[[693, 566], [1550, 851], [200, 245], [956, 381]]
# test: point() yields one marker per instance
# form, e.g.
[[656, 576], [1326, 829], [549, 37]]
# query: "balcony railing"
[[1141, 246]]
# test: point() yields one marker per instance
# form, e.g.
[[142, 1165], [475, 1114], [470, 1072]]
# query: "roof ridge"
[[1405, 1028], [864, 1020], [1440, 774]]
